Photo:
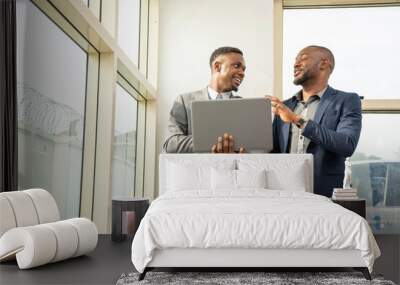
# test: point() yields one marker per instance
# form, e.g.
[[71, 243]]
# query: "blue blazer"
[[333, 134]]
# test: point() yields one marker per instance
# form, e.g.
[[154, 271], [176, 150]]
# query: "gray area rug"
[[270, 278]]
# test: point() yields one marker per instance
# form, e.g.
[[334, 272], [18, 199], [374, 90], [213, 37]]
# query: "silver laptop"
[[248, 120]]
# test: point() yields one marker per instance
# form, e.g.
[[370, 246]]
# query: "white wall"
[[190, 30]]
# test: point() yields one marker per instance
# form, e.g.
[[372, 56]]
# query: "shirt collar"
[[320, 93], [213, 94], [299, 95]]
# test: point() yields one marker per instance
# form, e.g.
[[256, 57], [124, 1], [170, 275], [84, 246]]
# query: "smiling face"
[[307, 66], [229, 70]]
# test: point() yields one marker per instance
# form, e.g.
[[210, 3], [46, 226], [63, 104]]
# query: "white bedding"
[[251, 218]]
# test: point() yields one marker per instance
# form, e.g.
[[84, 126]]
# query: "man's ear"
[[216, 66], [324, 64]]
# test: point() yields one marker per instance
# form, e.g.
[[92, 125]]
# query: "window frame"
[[89, 130], [140, 134], [94, 28]]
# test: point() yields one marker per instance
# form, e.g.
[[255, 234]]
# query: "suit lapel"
[[292, 103], [199, 95], [326, 100], [203, 94], [286, 127]]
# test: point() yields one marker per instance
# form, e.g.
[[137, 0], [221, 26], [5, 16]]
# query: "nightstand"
[[357, 205], [121, 208]]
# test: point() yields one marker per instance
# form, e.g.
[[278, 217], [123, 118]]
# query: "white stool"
[[31, 232]]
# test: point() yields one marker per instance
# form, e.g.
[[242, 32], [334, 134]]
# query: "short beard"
[[302, 79]]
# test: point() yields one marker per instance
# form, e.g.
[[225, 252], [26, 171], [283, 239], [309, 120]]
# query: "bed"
[[247, 210]]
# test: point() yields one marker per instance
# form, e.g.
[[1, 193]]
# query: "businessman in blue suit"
[[319, 119]]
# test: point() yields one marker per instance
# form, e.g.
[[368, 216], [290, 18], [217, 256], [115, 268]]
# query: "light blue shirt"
[[212, 94]]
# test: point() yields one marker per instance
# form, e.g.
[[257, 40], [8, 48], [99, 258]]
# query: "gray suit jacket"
[[180, 122]]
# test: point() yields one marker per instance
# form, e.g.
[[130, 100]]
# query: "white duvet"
[[251, 218]]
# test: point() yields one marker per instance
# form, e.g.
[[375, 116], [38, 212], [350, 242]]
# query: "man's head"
[[313, 64], [227, 69]]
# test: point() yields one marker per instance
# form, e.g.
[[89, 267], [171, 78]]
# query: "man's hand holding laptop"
[[226, 144]]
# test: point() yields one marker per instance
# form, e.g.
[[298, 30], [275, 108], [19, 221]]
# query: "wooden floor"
[[102, 266], [110, 259]]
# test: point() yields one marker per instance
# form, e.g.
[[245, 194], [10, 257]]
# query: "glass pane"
[[128, 28], [51, 78], [124, 148], [376, 171], [365, 43]]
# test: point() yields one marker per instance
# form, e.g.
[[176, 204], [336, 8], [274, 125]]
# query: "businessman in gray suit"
[[318, 119], [227, 73]]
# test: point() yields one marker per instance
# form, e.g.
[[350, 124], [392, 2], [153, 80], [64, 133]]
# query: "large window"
[[376, 171], [69, 69], [51, 75], [365, 44], [124, 147], [128, 28]]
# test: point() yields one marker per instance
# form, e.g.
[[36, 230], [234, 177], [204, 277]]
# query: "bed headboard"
[[269, 160]]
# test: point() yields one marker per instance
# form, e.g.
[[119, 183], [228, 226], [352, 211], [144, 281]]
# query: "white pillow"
[[186, 173], [279, 180], [236, 179], [251, 178], [282, 174], [182, 178], [223, 179]]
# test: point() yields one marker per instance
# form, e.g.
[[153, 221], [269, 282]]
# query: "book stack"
[[344, 194]]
